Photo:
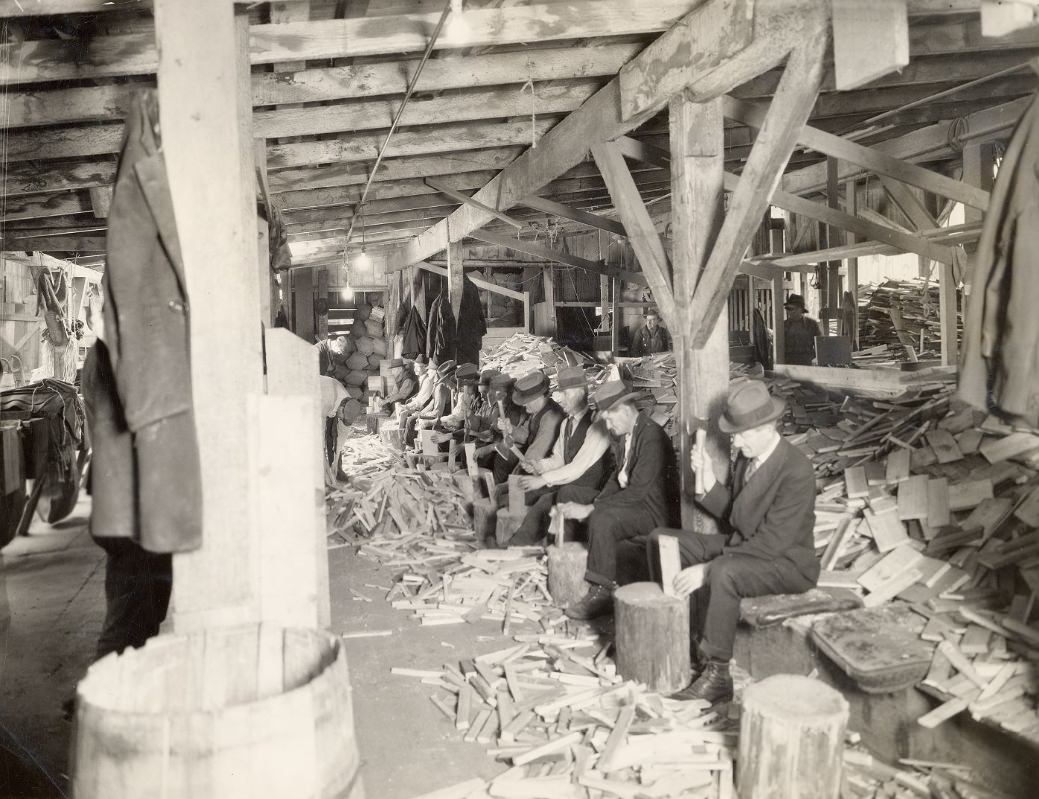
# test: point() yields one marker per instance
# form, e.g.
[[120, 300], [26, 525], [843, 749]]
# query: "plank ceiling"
[[329, 75]]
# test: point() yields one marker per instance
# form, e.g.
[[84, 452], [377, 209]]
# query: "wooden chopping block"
[[801, 723], [485, 518], [652, 633], [372, 421], [507, 523], [566, 568], [392, 435]]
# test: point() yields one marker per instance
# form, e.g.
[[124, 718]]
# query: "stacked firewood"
[[900, 313]]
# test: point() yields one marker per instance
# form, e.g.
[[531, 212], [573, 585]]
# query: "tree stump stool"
[[652, 637], [566, 567], [506, 526], [791, 739], [485, 518]]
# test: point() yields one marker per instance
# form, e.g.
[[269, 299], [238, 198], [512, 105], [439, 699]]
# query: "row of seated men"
[[613, 470]]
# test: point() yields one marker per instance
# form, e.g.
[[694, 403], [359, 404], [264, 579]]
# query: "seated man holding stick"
[[769, 511], [640, 494], [578, 463]]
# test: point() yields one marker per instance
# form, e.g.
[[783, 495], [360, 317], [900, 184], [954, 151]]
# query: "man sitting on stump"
[[404, 386], [578, 464], [640, 494], [768, 513]]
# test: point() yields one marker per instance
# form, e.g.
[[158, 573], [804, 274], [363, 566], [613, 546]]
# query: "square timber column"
[[697, 180], [206, 118]]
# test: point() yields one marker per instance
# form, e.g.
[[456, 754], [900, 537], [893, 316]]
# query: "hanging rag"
[[999, 370]]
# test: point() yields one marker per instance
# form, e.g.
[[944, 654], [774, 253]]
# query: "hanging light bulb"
[[346, 293], [458, 27]]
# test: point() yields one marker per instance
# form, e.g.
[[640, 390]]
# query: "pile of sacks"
[[366, 346]]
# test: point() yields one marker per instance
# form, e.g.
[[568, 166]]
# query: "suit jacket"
[[772, 515], [652, 474]]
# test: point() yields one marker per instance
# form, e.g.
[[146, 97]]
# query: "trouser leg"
[[729, 579], [137, 595], [607, 527], [535, 524], [575, 529]]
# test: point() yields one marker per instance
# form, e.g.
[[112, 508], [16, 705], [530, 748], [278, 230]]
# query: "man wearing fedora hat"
[[535, 436], [502, 416], [799, 332], [640, 494], [404, 385], [424, 378], [651, 338], [439, 403], [769, 511], [577, 464], [465, 403]]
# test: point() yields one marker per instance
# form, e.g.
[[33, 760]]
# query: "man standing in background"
[[651, 338]]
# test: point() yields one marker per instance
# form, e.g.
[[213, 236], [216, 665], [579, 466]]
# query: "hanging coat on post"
[[472, 325], [146, 480], [413, 334], [1000, 365], [440, 332]]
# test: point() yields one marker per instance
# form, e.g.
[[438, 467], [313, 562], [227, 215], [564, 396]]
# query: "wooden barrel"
[[652, 633], [791, 739], [256, 710]]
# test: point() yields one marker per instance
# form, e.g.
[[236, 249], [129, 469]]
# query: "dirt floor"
[[54, 581]]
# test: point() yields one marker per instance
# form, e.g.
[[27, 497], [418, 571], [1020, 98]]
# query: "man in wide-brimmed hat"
[[769, 508], [425, 377], [640, 494], [439, 404], [464, 403], [577, 465], [405, 384], [536, 435], [799, 332]]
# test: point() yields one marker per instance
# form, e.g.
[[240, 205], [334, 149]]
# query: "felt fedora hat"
[[467, 374], [446, 369], [487, 376], [571, 377], [530, 387], [422, 359], [397, 363], [749, 405], [796, 300], [610, 393], [503, 381]]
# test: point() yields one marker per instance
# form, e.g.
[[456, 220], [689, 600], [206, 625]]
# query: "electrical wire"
[[396, 118]]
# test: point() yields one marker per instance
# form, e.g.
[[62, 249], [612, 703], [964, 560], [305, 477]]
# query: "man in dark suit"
[[769, 511], [640, 494]]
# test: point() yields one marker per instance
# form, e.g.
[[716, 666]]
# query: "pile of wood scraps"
[[903, 313], [555, 710], [868, 778], [523, 353], [930, 503]]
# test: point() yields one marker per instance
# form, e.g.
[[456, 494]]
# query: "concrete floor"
[[54, 581]]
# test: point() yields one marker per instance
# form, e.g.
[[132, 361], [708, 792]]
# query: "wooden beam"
[[530, 248], [705, 40], [932, 142], [868, 41], [455, 277], [697, 143], [908, 203], [768, 158], [869, 158], [638, 226], [471, 104], [577, 215], [67, 244], [479, 282], [135, 53], [207, 145], [465, 199], [30, 8], [851, 203]]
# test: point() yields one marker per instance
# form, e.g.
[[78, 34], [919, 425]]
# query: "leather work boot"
[[714, 684], [597, 601]]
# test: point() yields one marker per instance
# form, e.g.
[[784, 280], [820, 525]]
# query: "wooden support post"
[[652, 633], [206, 118], [454, 276], [615, 318], [801, 722], [851, 205], [835, 237], [321, 293], [526, 311], [697, 165], [778, 318], [267, 286], [549, 278], [303, 302]]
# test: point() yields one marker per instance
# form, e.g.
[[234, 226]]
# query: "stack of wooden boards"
[[931, 503], [900, 313], [554, 708]]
